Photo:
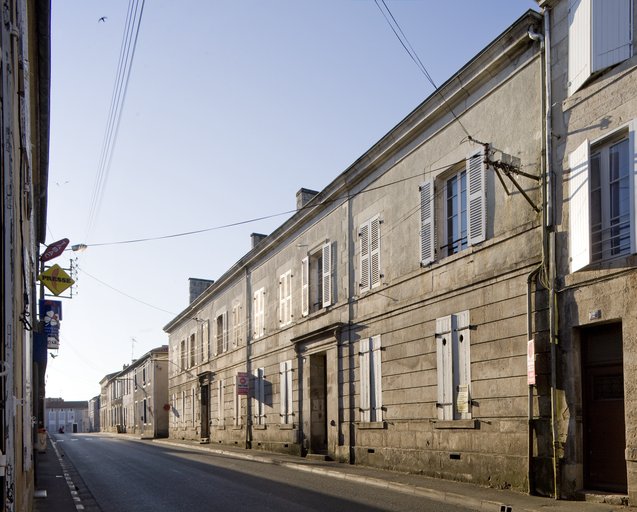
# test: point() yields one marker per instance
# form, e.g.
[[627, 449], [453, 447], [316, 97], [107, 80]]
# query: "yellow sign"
[[55, 279]]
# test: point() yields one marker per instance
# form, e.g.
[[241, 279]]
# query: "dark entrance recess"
[[318, 403], [205, 423], [603, 408]]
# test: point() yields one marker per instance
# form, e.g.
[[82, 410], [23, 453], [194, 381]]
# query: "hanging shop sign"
[[54, 250], [56, 279], [51, 316], [243, 383]]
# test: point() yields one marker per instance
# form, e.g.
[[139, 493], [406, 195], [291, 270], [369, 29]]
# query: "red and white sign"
[[54, 250], [530, 362], [243, 383]]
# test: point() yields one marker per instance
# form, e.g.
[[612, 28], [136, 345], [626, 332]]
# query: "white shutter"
[[632, 180], [427, 234], [376, 385], [220, 421], [579, 43], [282, 299], [364, 380], [464, 355], [476, 223], [374, 252], [305, 286], [288, 394], [205, 337], [579, 208], [444, 368], [364, 257], [224, 320], [283, 391], [326, 273], [611, 33]]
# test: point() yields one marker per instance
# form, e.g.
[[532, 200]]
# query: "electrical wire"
[[120, 88], [402, 38]]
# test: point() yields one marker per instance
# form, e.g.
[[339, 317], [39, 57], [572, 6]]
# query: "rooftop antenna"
[[132, 349]]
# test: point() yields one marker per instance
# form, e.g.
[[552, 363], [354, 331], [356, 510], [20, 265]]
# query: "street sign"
[[243, 383], [54, 250], [56, 279]]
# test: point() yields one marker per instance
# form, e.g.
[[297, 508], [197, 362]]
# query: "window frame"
[[371, 389], [369, 251], [580, 199], [285, 392], [285, 298], [258, 314]]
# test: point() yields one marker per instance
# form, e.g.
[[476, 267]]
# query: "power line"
[[402, 38], [122, 78]]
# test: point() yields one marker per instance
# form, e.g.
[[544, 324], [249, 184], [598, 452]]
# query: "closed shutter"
[[224, 320], [374, 252], [579, 208], [611, 33], [283, 299], [427, 233], [364, 257], [444, 368], [463, 332], [220, 403], [632, 149], [579, 43], [283, 391], [326, 273], [205, 336], [476, 225], [376, 404], [364, 380], [305, 286]]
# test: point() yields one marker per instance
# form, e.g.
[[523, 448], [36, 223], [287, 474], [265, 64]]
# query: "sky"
[[231, 107]]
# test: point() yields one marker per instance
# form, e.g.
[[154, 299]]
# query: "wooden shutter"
[[463, 335], [326, 273], [374, 252], [476, 223], [305, 286], [427, 233], [444, 368], [579, 43], [220, 403], [632, 184], [285, 380], [205, 337], [364, 380], [579, 208], [364, 257], [224, 320], [611, 33], [376, 405], [282, 299]]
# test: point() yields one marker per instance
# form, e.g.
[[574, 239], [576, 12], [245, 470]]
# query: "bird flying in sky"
[[102, 19]]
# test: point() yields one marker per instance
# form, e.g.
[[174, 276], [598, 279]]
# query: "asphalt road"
[[125, 475]]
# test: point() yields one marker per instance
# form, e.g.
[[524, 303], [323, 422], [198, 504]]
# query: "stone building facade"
[[135, 400], [70, 416], [593, 92], [387, 322]]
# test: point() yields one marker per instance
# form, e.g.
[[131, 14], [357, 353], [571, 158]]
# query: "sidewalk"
[[54, 476]]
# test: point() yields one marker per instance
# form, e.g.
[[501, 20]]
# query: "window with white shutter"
[[205, 339], [317, 279], [459, 198], [285, 382], [258, 312], [236, 404], [285, 298], [602, 199], [369, 251], [453, 358], [599, 36], [221, 332], [371, 405]]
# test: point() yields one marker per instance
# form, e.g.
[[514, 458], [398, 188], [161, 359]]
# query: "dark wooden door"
[[604, 426]]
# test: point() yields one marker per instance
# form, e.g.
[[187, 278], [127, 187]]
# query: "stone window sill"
[[456, 424], [371, 425]]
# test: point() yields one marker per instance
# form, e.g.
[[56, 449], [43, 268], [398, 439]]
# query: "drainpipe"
[[548, 241], [551, 254]]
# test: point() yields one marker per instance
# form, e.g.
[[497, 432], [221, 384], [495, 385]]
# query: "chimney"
[[197, 287], [257, 238], [303, 197]]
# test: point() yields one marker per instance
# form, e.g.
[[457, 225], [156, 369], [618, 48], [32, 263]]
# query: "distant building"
[[135, 400], [94, 414], [72, 416]]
